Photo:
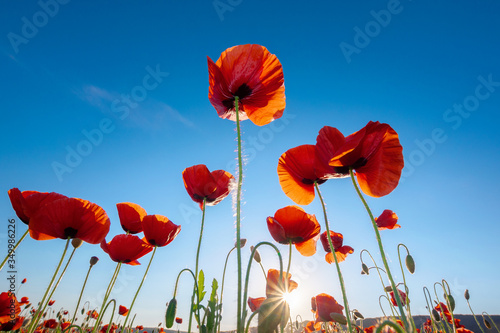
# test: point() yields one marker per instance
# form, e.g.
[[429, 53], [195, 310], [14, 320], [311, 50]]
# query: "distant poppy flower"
[[139, 327], [325, 306], [26, 203], [51, 302], [255, 303], [122, 311], [24, 300], [65, 325], [275, 288], [8, 302], [292, 224], [402, 297], [131, 216], [93, 314], [50, 323], [202, 184], [126, 249], [463, 330], [24, 281], [443, 310], [376, 155], [252, 74], [312, 326], [341, 251], [387, 220], [178, 320], [159, 230], [112, 329], [70, 218]]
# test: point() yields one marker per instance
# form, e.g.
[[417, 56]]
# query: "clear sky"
[[430, 69]]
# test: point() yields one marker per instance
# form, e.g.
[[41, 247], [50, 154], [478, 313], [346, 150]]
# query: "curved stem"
[[11, 251], [477, 322], [250, 320], [428, 300], [106, 296], [240, 321], [247, 278], [81, 293], [332, 248], [196, 265], [491, 319], [140, 286], [382, 253], [36, 316], [446, 293], [404, 282], [222, 287]]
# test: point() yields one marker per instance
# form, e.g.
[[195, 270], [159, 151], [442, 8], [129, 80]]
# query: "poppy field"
[[246, 84]]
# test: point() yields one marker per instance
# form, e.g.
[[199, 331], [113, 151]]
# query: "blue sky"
[[133, 77]]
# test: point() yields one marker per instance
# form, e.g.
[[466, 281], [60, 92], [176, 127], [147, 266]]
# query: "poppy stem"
[[289, 264], [240, 322], [222, 288], [404, 282], [11, 251], [382, 253], [106, 296], [81, 293], [139, 289], [341, 279], [38, 313], [196, 266]]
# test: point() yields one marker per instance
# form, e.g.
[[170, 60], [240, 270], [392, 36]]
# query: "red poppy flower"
[[159, 230], [203, 184], [387, 220], [51, 302], [65, 325], [24, 300], [325, 306], [292, 224], [252, 74], [463, 330], [443, 310], [402, 296], [276, 289], [8, 302], [341, 251], [126, 249], [312, 326], [93, 314], [178, 320], [131, 216], [12, 325], [376, 155], [50, 323], [255, 303], [122, 311], [112, 329], [139, 327], [26, 203], [70, 218], [24, 281]]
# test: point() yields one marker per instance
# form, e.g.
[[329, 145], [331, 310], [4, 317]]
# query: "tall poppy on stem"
[[387, 220], [326, 309], [246, 82], [126, 249]]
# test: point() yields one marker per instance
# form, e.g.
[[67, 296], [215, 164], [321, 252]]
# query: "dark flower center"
[[70, 232], [152, 242], [242, 92], [359, 163], [310, 181]]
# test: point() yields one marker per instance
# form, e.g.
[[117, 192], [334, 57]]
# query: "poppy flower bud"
[[93, 260], [24, 281], [256, 255], [243, 242], [435, 315], [466, 294], [410, 264], [339, 318], [486, 323], [76, 242], [451, 300], [170, 314], [364, 269], [388, 289], [357, 314]]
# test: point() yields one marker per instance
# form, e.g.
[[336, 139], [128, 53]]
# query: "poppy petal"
[[131, 216], [223, 181], [387, 220], [254, 303], [328, 142], [159, 230], [296, 173], [307, 248]]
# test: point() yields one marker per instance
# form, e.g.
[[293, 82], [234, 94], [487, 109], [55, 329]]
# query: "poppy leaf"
[[201, 286]]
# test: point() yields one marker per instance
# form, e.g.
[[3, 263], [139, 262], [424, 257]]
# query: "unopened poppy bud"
[[76, 242], [486, 323], [170, 314], [93, 260], [24, 281], [388, 289], [364, 269], [243, 242], [451, 300], [357, 314], [339, 318], [256, 255], [466, 294], [410, 264], [435, 315]]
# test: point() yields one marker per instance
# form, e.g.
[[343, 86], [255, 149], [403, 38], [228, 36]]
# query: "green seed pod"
[[93, 260], [357, 314], [451, 300], [339, 318], [435, 315], [466, 294], [170, 314], [486, 323], [243, 241], [76, 242], [388, 289], [410, 264], [364, 269]]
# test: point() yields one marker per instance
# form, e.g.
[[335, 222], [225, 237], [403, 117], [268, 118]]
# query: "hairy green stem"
[[11, 251], [81, 293]]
